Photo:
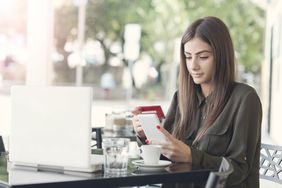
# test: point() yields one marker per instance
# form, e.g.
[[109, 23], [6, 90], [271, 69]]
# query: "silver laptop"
[[51, 128]]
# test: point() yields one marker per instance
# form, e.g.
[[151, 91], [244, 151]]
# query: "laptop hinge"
[[50, 168]]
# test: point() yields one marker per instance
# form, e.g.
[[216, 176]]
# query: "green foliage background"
[[162, 21]]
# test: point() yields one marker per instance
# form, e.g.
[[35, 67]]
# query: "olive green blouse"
[[235, 134]]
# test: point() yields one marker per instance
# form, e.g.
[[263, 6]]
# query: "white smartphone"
[[149, 124]]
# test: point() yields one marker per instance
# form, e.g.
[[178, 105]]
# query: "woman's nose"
[[194, 64]]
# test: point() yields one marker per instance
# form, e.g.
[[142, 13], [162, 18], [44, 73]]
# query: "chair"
[[271, 163], [218, 179], [97, 137]]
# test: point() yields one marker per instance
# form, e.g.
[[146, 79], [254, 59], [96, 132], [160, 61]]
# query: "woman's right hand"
[[137, 125]]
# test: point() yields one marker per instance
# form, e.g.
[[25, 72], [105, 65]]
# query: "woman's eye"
[[187, 57], [204, 57]]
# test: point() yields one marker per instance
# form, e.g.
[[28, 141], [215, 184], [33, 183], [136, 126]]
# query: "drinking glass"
[[116, 154]]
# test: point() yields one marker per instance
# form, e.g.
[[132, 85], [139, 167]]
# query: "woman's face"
[[199, 61]]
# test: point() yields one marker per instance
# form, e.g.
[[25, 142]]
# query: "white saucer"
[[140, 164]]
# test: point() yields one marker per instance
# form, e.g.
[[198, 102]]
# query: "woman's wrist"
[[189, 155], [141, 139]]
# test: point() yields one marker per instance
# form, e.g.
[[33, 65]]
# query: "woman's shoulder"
[[242, 89]]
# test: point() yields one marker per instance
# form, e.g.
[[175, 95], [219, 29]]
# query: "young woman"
[[212, 116]]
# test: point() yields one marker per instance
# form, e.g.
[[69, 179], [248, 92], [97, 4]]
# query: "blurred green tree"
[[162, 22], [65, 21], [246, 23]]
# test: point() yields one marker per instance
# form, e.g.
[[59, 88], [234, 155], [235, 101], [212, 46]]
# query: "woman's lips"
[[197, 75]]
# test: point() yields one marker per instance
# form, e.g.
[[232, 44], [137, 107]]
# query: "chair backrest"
[[97, 136], [271, 163], [2, 147], [218, 179]]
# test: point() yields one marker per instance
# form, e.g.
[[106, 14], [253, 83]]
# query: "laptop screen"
[[51, 125]]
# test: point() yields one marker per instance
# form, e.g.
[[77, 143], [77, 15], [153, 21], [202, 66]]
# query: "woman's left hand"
[[173, 148]]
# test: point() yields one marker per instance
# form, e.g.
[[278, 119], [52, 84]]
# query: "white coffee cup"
[[150, 154]]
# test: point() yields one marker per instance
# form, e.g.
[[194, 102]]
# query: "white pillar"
[[173, 69], [132, 35], [39, 42], [81, 31]]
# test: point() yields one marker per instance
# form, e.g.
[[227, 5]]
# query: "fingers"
[[169, 139], [136, 111], [138, 127], [173, 148], [166, 133], [156, 142], [177, 151], [166, 153], [135, 120]]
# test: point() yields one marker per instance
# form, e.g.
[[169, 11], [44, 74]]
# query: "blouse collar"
[[201, 98]]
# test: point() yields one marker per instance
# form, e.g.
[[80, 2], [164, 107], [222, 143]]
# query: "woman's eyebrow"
[[187, 53], [197, 53]]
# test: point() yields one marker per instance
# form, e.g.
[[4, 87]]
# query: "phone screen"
[[149, 123]]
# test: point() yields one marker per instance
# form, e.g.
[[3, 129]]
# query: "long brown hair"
[[215, 33]]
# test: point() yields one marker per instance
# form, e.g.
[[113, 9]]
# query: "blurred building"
[[272, 68]]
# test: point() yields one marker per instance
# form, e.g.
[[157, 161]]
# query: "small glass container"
[[116, 155]]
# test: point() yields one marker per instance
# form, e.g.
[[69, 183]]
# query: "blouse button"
[[196, 145]]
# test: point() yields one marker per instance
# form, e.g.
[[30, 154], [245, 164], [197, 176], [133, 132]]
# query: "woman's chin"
[[198, 81]]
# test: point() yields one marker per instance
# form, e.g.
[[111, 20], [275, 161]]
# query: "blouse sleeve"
[[244, 147]]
